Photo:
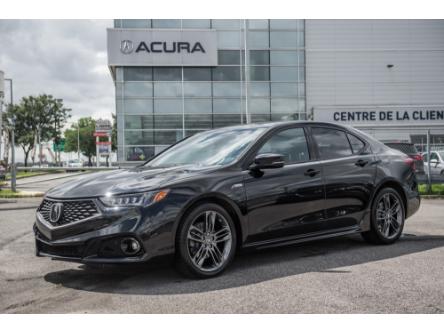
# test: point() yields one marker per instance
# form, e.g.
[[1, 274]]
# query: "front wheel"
[[206, 241], [387, 218]]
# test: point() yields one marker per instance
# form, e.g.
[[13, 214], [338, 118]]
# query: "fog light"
[[130, 246]]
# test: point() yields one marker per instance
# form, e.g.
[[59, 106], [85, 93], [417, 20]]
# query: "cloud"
[[64, 58]]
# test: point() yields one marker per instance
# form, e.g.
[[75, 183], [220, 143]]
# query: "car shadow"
[[329, 256]]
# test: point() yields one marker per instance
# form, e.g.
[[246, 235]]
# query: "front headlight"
[[134, 199]]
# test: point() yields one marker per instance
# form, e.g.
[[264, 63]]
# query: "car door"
[[287, 201], [349, 170]]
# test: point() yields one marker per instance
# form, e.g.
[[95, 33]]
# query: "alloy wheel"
[[209, 241], [389, 215]]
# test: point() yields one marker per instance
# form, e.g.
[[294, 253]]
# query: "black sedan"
[[232, 188]]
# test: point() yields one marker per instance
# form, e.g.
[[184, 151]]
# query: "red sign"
[[103, 143], [101, 134]]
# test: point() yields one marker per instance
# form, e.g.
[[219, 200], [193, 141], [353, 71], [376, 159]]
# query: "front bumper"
[[102, 249], [98, 239]]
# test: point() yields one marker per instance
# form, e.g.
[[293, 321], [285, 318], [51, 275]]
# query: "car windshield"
[[216, 147]]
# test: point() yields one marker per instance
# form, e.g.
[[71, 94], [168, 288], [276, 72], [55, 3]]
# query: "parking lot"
[[343, 275]]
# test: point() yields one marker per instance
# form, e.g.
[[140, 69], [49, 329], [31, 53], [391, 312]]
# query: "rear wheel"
[[206, 241], [387, 218]]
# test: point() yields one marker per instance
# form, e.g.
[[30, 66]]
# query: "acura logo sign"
[[126, 46], [56, 212], [162, 47]]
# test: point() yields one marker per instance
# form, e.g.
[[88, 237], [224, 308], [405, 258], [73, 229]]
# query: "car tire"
[[387, 218], [196, 234]]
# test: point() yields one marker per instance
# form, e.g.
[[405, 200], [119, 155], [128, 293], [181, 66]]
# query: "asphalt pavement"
[[343, 275]]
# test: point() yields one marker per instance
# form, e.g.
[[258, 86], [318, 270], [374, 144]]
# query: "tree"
[[85, 128], [41, 116], [49, 116]]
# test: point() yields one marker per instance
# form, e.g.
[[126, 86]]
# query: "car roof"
[[277, 124]]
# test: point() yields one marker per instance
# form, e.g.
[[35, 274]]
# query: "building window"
[[167, 24], [229, 57], [197, 89], [226, 105], [167, 89], [167, 74], [258, 39], [258, 24], [138, 122], [138, 89], [138, 137], [196, 74], [197, 105], [226, 24], [132, 24], [259, 57], [226, 89], [286, 24], [138, 74], [168, 105], [137, 106], [228, 39], [227, 73], [259, 89], [196, 24], [259, 73]]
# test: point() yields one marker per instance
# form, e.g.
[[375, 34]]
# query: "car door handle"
[[311, 172], [361, 163]]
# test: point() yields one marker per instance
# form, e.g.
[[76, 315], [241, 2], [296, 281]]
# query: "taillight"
[[411, 163], [417, 157]]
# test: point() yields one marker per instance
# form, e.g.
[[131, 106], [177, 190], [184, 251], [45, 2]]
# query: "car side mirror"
[[267, 161]]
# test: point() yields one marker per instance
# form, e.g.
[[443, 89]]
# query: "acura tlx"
[[227, 189]]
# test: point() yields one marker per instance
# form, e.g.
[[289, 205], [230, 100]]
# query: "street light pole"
[[13, 174], [78, 141]]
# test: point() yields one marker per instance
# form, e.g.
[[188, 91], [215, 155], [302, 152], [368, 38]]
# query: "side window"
[[331, 143], [290, 143], [356, 143], [434, 156]]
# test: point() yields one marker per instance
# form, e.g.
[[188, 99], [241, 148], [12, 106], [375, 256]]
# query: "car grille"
[[72, 211]]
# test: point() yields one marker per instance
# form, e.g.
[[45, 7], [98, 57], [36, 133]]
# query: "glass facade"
[[260, 77]]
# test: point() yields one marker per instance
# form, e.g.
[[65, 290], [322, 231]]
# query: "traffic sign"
[[60, 146]]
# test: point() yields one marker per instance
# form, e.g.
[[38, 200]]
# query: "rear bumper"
[[413, 205]]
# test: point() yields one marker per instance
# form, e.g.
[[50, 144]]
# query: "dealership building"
[[174, 78]]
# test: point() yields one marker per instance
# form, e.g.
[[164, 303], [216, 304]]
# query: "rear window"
[[356, 143], [406, 148], [331, 143]]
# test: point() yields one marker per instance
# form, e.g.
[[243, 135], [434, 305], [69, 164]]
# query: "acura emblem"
[[56, 212], [126, 46]]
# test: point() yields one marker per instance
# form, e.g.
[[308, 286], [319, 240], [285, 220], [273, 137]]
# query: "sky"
[[63, 58]]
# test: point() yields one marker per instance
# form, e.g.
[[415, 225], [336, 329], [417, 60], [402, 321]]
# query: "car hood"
[[123, 181]]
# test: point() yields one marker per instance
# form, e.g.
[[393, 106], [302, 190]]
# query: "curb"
[[19, 208], [432, 196]]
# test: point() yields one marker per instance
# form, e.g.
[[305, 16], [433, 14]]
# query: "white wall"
[[347, 62]]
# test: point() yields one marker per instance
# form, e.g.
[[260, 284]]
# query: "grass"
[[7, 193], [26, 174], [437, 189]]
